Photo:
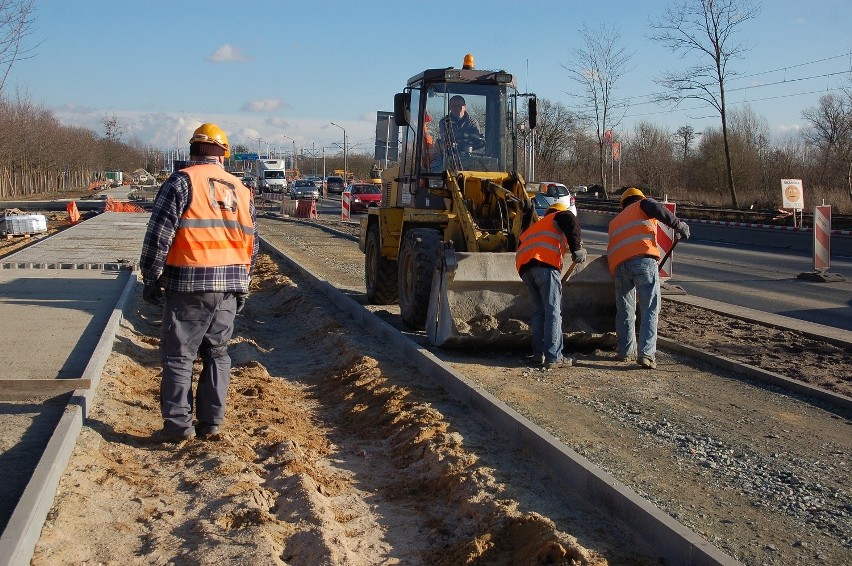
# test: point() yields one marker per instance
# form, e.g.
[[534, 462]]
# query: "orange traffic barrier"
[[119, 206]]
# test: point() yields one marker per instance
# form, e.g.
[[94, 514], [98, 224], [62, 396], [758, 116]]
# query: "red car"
[[362, 195]]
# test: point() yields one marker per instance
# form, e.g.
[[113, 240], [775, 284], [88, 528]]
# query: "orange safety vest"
[[544, 241], [216, 228], [632, 233]]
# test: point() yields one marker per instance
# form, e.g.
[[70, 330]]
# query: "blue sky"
[[281, 69]]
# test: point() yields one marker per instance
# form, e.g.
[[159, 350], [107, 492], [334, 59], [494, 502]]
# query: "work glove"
[[241, 301], [579, 255], [153, 294], [683, 230]]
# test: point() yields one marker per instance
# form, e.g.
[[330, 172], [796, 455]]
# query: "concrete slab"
[[108, 238], [60, 302]]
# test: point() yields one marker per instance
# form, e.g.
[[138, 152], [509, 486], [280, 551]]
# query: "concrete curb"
[[18, 541], [675, 543]]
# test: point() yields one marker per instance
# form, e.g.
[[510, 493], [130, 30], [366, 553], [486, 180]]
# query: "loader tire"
[[418, 256], [380, 274]]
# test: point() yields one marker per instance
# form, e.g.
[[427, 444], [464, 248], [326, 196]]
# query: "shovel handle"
[[668, 253], [568, 273]]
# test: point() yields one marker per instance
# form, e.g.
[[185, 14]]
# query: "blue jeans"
[[637, 277], [544, 285]]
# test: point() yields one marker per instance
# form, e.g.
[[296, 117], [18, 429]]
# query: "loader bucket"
[[478, 299]]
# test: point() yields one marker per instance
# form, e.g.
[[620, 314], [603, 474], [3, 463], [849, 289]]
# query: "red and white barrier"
[[306, 208], [822, 237], [345, 205], [665, 240]]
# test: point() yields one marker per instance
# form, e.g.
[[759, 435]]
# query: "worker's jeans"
[[195, 324], [544, 285], [637, 277]]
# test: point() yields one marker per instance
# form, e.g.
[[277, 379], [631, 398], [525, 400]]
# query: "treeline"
[[689, 166], [38, 155]]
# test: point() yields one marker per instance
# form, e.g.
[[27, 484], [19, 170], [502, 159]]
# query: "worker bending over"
[[539, 263], [632, 254]]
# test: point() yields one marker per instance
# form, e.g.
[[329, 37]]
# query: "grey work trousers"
[[195, 324]]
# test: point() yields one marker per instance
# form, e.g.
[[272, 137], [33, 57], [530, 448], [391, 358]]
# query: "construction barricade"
[[345, 204], [306, 208], [822, 248]]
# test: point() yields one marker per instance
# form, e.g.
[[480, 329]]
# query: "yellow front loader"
[[442, 241]]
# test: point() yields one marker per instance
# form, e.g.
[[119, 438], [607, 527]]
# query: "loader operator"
[[465, 129], [632, 255], [539, 263], [197, 258]]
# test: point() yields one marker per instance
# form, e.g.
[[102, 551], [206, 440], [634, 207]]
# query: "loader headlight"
[[452, 75], [503, 77], [436, 183]]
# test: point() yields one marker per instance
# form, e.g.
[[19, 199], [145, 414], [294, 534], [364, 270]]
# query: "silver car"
[[302, 188]]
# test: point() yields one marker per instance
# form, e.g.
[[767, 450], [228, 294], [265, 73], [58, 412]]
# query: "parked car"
[[335, 184], [581, 189], [540, 202], [363, 195], [302, 188], [557, 192], [250, 181]]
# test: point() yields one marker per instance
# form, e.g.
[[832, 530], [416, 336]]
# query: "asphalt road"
[[758, 278]]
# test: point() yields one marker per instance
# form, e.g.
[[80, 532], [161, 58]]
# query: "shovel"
[[668, 253], [568, 273]]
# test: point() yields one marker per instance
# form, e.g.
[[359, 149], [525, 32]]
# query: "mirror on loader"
[[402, 108]]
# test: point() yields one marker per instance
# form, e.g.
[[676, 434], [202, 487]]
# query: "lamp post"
[[345, 155], [292, 161]]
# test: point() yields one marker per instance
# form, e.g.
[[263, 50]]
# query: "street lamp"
[[292, 161], [345, 155]]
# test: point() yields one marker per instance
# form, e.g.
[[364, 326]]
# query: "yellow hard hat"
[[211, 133], [631, 192], [555, 207]]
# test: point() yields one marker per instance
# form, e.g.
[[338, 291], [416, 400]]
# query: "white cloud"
[[227, 54], [263, 105]]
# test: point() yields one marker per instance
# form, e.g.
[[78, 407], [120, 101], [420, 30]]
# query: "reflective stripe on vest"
[[216, 229], [544, 241], [631, 233]]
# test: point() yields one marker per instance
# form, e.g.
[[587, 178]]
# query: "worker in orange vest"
[[539, 263], [632, 255], [197, 259]]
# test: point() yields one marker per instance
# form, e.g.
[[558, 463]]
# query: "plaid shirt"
[[171, 202]]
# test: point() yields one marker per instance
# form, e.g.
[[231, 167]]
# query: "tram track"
[[714, 432]]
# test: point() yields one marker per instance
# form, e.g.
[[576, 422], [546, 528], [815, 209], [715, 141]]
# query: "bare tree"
[[554, 140], [685, 136], [830, 133], [16, 19], [651, 153], [597, 68], [707, 28]]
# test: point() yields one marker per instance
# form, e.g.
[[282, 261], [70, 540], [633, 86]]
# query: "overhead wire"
[[654, 98]]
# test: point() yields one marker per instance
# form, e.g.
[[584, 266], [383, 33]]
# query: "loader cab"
[[435, 140]]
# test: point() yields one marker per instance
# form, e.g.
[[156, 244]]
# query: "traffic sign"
[[245, 157]]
